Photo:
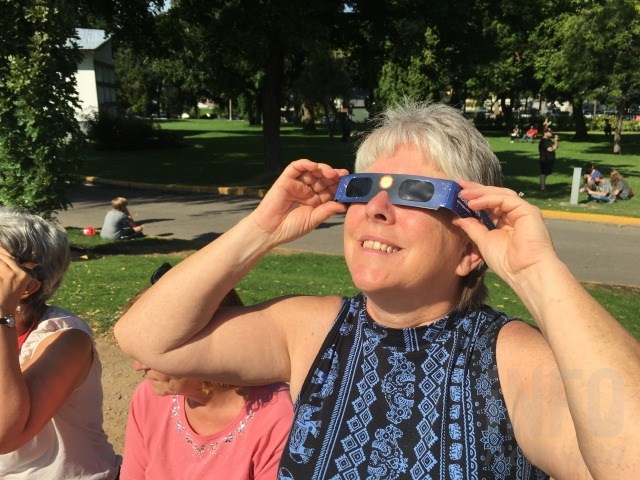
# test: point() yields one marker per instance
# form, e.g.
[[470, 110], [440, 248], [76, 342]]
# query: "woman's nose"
[[380, 208]]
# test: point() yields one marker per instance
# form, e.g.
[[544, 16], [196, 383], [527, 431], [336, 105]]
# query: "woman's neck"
[[27, 318], [208, 416]]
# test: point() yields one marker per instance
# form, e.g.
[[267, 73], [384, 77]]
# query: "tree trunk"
[[578, 120], [273, 79]]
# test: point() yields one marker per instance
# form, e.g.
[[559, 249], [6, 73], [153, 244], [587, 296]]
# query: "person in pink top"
[[184, 428]]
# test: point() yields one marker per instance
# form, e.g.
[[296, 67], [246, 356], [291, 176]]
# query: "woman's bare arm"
[[175, 327]]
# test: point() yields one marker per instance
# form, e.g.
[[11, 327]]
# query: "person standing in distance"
[[547, 149]]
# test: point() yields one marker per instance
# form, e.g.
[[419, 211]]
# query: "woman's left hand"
[[521, 240]]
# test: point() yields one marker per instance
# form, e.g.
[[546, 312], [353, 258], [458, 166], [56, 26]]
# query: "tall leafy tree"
[[39, 136], [419, 48], [324, 75], [593, 50], [244, 48], [505, 69]]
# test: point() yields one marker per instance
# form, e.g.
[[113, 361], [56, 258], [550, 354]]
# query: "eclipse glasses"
[[408, 191]]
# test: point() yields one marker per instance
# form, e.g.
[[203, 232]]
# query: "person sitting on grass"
[[182, 427], [600, 192], [515, 133], [590, 173], [620, 189], [414, 376], [530, 135], [118, 222]]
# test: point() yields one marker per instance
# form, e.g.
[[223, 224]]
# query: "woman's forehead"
[[406, 159]]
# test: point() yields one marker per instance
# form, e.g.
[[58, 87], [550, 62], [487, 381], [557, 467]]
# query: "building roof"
[[91, 38]]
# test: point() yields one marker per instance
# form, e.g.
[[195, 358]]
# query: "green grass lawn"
[[106, 274], [229, 153]]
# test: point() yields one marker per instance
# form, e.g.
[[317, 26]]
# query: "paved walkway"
[[597, 248]]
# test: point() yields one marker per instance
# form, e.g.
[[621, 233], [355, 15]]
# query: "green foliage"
[[39, 135], [106, 132], [592, 51], [417, 76], [134, 86], [597, 123]]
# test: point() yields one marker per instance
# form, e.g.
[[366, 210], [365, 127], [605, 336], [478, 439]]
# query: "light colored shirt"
[[160, 444], [73, 444], [116, 223]]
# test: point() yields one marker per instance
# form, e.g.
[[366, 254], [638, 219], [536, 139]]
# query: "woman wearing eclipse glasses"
[[414, 377]]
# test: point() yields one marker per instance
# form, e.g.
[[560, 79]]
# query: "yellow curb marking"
[[591, 217]]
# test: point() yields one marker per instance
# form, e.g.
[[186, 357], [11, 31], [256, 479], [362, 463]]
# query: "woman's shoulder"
[[272, 396], [272, 405], [57, 318]]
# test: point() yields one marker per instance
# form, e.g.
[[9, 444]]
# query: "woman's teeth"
[[373, 245]]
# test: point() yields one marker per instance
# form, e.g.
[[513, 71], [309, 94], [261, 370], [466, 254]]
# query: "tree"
[[245, 47], [324, 75], [615, 44], [421, 49], [505, 69], [594, 51], [39, 135]]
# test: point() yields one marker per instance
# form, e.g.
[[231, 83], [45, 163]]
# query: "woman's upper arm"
[[265, 343], [537, 403], [59, 364]]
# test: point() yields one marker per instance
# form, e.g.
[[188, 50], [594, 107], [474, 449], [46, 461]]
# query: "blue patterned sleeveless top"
[[415, 403]]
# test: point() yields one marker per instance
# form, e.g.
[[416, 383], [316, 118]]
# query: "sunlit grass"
[[107, 274], [230, 153]]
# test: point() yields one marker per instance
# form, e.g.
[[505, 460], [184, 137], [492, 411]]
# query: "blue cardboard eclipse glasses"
[[408, 191]]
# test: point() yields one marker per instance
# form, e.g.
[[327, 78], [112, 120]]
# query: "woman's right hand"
[[14, 280], [299, 200]]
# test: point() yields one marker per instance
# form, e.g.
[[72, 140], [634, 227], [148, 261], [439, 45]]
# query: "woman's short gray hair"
[[34, 239], [454, 146]]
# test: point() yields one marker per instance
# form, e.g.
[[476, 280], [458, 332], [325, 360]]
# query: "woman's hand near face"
[[520, 241], [299, 201], [14, 280]]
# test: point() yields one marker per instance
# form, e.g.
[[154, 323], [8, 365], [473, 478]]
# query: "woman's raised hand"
[[520, 241], [299, 200], [14, 280]]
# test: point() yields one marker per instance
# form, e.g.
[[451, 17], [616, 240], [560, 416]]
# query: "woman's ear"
[[469, 259], [34, 286]]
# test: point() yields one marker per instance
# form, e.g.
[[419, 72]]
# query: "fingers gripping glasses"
[[408, 191]]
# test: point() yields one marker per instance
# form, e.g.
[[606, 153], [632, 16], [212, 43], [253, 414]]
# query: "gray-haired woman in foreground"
[[414, 377], [51, 391]]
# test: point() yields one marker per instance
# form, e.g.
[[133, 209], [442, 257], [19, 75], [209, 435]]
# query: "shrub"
[[107, 132], [597, 123]]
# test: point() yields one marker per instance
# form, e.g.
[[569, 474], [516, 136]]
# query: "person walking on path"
[[547, 149]]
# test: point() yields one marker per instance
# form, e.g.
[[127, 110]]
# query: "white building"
[[96, 80]]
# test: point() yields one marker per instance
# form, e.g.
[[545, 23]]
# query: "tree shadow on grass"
[[89, 248]]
